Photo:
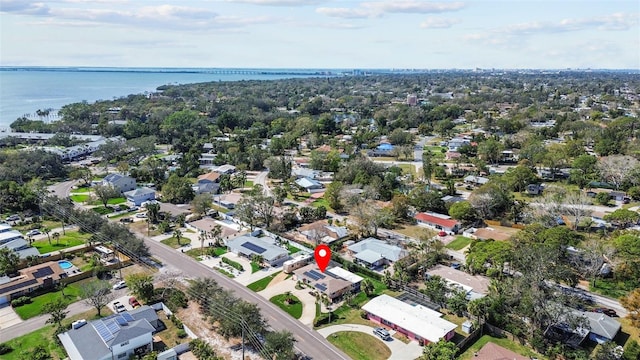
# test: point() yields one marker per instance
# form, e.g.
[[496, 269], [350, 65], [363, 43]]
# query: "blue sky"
[[321, 34]]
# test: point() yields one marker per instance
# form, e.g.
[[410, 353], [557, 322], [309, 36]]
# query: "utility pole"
[[242, 342]]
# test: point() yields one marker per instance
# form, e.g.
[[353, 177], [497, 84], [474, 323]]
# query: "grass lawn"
[[408, 169], [360, 346], [72, 238], [173, 242], [116, 201], [504, 342], [35, 308], [102, 210], [609, 287], [322, 202], [459, 243], [255, 267], [43, 336], [248, 184], [262, 283], [628, 328], [294, 309], [46, 223], [81, 190], [169, 335], [292, 249], [80, 198]]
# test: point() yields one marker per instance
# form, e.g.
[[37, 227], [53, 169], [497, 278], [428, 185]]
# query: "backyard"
[[70, 239], [360, 346], [504, 342], [459, 243]]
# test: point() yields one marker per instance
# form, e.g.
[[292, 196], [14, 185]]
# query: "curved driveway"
[[399, 350]]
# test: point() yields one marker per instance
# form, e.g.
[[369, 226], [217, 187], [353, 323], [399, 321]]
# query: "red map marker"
[[323, 256]]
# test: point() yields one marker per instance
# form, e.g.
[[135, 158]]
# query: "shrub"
[[5, 349], [181, 334], [233, 264], [176, 321], [321, 319], [20, 301]]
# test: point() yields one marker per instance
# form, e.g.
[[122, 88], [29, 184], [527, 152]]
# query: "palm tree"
[[215, 234], [56, 236], [367, 287], [47, 231], [178, 235], [202, 237]]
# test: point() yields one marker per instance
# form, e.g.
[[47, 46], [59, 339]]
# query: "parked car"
[[126, 220], [120, 285], [141, 215], [606, 311], [13, 218], [118, 307], [382, 333], [33, 232], [134, 302]]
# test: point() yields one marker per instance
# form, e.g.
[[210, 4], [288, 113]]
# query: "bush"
[[321, 319], [5, 349], [233, 264], [181, 334], [176, 321], [20, 301]]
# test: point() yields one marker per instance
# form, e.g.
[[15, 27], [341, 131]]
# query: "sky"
[[339, 34]]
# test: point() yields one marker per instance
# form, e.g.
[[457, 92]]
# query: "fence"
[[469, 340], [496, 331]]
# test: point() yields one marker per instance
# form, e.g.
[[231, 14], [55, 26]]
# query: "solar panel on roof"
[[127, 316], [103, 331], [121, 321], [112, 325], [253, 247], [45, 271], [321, 287], [19, 285], [317, 274], [311, 275]]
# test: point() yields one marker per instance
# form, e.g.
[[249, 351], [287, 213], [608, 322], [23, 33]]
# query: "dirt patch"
[[192, 318], [279, 278]]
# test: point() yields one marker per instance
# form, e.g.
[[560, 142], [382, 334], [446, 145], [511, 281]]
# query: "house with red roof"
[[438, 221]]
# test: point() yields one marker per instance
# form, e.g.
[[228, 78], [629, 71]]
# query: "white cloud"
[[279, 2], [23, 7], [438, 23], [378, 9], [613, 22]]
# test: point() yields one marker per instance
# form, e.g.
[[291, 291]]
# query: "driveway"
[[8, 317], [308, 300], [399, 350]]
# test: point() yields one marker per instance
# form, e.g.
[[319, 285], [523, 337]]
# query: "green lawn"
[[459, 243], [504, 342], [255, 267], [610, 288], [27, 311], [80, 198], [102, 210], [262, 283], [81, 190], [294, 309], [72, 238], [292, 249], [248, 184], [173, 242], [43, 336], [322, 202], [116, 201], [360, 346]]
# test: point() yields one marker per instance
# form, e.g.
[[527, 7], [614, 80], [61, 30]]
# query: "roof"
[[389, 252], [32, 277], [369, 256], [491, 351], [4, 227], [601, 324], [174, 210], [11, 234], [113, 178], [210, 176], [326, 282], [476, 179], [478, 284], [345, 274], [139, 192], [250, 245], [306, 183], [225, 168], [491, 233], [437, 219], [417, 319], [92, 341]]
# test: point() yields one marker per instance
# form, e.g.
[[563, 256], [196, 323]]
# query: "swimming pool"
[[65, 265]]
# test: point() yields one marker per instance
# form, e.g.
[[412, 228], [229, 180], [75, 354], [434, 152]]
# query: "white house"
[[310, 185], [140, 195], [248, 246]]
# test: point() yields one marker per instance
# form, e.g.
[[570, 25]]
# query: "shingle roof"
[[244, 245], [437, 220], [139, 192], [389, 252], [601, 324]]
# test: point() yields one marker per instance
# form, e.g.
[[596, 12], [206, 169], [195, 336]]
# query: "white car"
[[118, 307], [120, 285], [141, 215], [33, 232]]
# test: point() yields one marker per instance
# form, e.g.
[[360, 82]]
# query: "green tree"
[[623, 217], [583, 170], [105, 192], [97, 294], [367, 287], [141, 286], [462, 211], [153, 210], [442, 350], [177, 190], [332, 195], [57, 311], [490, 150], [201, 203], [280, 345], [9, 261], [178, 235], [519, 177], [603, 198], [279, 167]]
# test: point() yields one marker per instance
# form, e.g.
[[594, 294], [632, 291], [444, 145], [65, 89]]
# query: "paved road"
[[308, 340], [63, 189], [261, 179]]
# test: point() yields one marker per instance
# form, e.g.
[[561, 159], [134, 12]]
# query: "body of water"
[[25, 90]]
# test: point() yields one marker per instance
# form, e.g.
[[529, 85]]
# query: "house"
[[42, 276], [140, 195], [416, 322], [602, 328], [121, 182], [207, 160], [475, 286], [475, 180], [456, 143], [335, 282], [14, 240], [174, 210], [310, 185], [298, 261], [438, 221], [207, 183], [248, 246], [384, 149], [451, 199], [117, 336], [321, 231], [374, 252], [225, 169]]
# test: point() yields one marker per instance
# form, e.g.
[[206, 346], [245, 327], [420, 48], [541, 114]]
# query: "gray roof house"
[[13, 240], [121, 182], [602, 327], [249, 245], [116, 336], [308, 184], [374, 252], [140, 195]]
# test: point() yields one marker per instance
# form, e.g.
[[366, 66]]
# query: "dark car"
[[126, 220], [134, 302], [606, 311]]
